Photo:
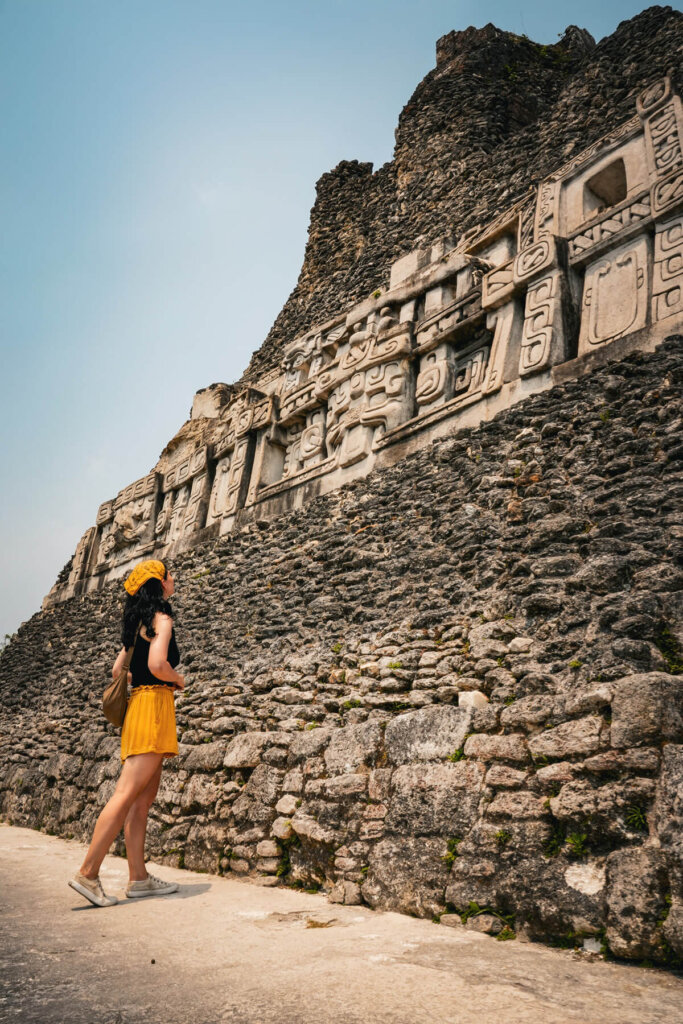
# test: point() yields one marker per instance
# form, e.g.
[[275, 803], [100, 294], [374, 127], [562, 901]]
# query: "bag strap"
[[129, 653]]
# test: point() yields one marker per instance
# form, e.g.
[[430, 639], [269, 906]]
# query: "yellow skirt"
[[149, 726]]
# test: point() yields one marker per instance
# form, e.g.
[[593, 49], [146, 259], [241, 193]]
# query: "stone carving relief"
[[435, 380], [599, 148], [613, 223], [80, 559], [667, 194], [538, 257], [543, 335], [127, 522], [546, 209], [185, 490], [615, 295], [228, 479], [593, 254], [498, 286], [667, 284], [662, 115], [525, 230], [663, 138]]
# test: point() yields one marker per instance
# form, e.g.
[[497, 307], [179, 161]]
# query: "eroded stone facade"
[[591, 257], [457, 680]]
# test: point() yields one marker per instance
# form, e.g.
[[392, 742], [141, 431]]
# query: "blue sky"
[[159, 161]]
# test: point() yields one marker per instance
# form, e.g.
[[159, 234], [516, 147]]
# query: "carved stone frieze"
[[615, 295], [229, 481], [498, 286], [667, 193], [667, 283], [598, 149], [436, 378], [547, 209], [653, 97], [590, 256], [627, 218], [448, 321], [127, 522], [543, 336], [534, 260], [525, 228], [80, 559]]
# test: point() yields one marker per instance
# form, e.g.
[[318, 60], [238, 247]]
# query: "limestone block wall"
[[454, 682], [590, 259]]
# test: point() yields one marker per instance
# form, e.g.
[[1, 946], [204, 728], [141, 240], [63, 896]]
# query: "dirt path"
[[228, 951]]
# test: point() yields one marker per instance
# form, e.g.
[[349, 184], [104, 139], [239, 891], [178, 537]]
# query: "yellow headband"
[[141, 573]]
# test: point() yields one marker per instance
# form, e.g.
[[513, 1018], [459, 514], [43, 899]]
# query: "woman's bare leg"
[[135, 828], [138, 770]]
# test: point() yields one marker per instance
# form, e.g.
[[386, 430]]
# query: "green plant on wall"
[[451, 854], [635, 818], [576, 842], [671, 650]]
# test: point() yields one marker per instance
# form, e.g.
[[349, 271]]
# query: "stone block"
[[286, 805], [639, 759], [282, 828], [451, 920], [206, 757], [430, 734], [268, 848], [347, 893], [647, 708], [428, 799], [308, 828], [379, 783], [239, 866], [504, 777], [268, 865], [581, 801], [637, 885], [353, 746], [201, 793], [244, 751], [408, 875], [583, 736], [520, 645], [528, 711], [407, 265], [293, 782], [487, 924], [345, 785], [497, 748], [516, 805], [472, 699], [264, 784]]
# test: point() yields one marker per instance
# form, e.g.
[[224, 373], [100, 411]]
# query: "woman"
[[147, 737]]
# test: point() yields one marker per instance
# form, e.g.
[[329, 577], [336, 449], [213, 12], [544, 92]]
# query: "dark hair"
[[141, 608]]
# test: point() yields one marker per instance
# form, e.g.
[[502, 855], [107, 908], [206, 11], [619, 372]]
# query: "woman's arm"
[[158, 652], [118, 664]]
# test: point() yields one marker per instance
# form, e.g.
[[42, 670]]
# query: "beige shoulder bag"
[[115, 696]]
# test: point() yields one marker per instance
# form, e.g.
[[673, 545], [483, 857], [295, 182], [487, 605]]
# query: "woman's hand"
[[180, 681]]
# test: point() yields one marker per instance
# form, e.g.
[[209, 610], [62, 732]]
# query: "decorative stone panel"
[[615, 295]]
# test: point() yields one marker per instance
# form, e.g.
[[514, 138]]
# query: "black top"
[[139, 667]]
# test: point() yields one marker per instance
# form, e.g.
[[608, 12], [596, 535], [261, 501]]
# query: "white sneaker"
[[91, 888], [150, 886]]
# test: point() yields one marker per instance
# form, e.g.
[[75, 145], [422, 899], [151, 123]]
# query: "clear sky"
[[159, 160]]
